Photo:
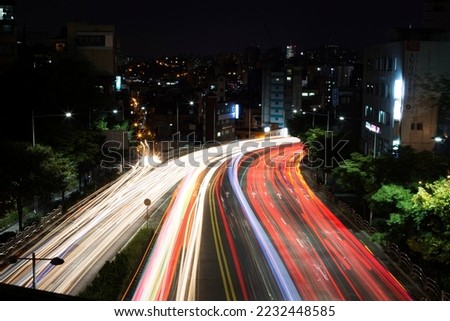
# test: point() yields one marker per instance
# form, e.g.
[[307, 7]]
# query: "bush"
[[115, 275]]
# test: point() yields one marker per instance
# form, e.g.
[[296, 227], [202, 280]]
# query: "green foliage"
[[115, 275], [27, 171], [122, 126], [421, 221], [356, 174], [391, 199], [84, 149], [378, 237], [299, 125], [101, 124], [57, 172], [408, 167], [434, 198], [409, 197], [314, 140], [433, 222], [393, 205], [8, 217]]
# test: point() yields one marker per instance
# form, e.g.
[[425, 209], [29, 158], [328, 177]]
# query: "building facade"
[[398, 107]]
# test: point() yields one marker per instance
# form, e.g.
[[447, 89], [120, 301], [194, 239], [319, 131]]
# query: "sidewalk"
[[12, 228], [413, 289]]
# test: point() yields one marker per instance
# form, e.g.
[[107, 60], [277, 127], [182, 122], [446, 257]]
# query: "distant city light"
[[118, 83]]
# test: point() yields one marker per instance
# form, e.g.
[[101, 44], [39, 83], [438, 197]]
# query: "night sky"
[[154, 28]]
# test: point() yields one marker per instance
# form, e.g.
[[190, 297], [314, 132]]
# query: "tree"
[[84, 149], [299, 125], [27, 171], [356, 174], [15, 180], [408, 167], [432, 219], [58, 173], [392, 209], [314, 140]]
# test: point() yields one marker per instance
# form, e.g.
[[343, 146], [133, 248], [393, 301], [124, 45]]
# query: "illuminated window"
[[397, 110], [368, 112], [398, 89], [382, 117]]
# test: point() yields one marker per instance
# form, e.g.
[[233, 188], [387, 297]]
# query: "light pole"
[[319, 114], [33, 259], [33, 116]]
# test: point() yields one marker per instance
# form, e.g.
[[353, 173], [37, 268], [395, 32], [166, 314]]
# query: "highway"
[[93, 232], [241, 225], [249, 228], [173, 271], [323, 257]]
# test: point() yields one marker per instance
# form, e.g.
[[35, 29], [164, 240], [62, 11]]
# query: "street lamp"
[[319, 114], [33, 116], [33, 259]]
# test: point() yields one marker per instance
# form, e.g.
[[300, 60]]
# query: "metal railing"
[[427, 284], [29, 231]]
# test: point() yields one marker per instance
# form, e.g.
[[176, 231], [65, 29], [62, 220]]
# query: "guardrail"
[[428, 285], [30, 230], [357, 219]]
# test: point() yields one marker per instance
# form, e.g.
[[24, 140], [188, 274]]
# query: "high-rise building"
[[273, 110], [95, 43], [398, 106]]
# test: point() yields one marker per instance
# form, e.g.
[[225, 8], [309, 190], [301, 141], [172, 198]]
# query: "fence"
[[428, 285], [30, 230]]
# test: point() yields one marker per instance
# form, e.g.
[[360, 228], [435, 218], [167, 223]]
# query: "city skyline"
[[201, 27]]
